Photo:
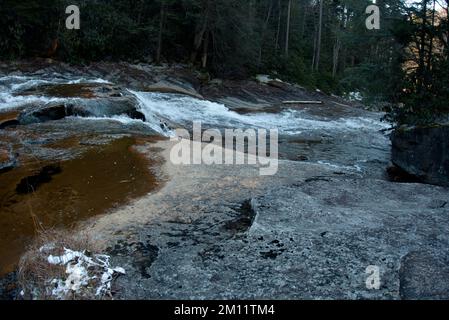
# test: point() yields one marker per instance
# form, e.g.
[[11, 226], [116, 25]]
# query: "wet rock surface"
[[174, 86], [131, 76], [310, 240], [98, 106], [73, 90], [423, 153]]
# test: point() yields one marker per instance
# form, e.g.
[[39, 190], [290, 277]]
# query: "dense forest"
[[317, 43]]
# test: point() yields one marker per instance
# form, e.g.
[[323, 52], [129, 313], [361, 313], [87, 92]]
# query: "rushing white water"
[[8, 101], [348, 142], [183, 110], [10, 86], [123, 119], [353, 144]]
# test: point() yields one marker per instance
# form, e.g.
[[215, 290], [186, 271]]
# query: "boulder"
[[49, 112], [423, 152], [105, 107], [167, 86], [100, 107], [135, 114]]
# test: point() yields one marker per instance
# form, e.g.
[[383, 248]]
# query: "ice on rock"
[[83, 272]]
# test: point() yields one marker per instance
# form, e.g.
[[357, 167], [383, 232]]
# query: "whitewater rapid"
[[11, 86], [184, 110], [347, 142]]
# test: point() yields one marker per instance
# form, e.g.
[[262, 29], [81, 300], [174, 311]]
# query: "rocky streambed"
[[88, 149]]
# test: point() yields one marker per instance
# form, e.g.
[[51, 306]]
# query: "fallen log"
[[341, 104], [302, 102]]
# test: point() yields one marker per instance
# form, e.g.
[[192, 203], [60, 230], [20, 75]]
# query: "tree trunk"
[[447, 31], [315, 35], [205, 51], [251, 15], [432, 33], [336, 56], [303, 22], [278, 32], [287, 31], [318, 43], [161, 31], [139, 17], [422, 49], [199, 36], [264, 29]]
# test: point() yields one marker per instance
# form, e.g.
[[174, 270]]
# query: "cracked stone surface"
[[308, 237]]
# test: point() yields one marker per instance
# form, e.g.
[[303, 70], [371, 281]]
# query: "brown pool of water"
[[58, 195]]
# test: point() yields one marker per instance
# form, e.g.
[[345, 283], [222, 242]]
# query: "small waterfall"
[[183, 110], [11, 86]]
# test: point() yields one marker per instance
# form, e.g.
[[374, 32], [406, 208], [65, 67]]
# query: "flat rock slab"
[[311, 240], [353, 224]]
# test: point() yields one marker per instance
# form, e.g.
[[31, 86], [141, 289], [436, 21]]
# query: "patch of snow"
[[83, 272], [47, 247], [64, 259]]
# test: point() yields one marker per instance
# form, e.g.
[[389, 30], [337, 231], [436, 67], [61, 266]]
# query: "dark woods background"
[[316, 43]]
